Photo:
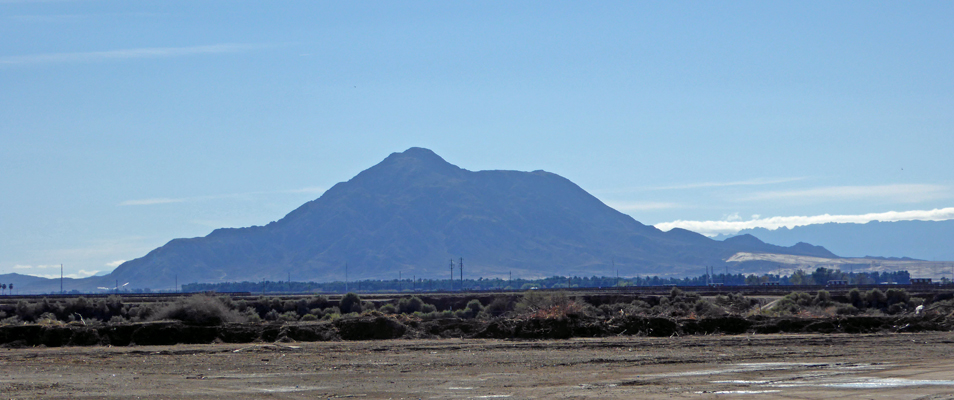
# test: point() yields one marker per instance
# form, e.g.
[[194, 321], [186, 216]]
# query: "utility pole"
[[462, 274], [61, 278], [617, 271], [346, 277], [452, 275], [177, 283], [511, 281]]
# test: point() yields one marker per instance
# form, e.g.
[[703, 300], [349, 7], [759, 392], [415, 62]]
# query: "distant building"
[[920, 281], [770, 283], [837, 282]]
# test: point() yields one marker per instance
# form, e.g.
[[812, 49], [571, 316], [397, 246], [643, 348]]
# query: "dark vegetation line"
[[204, 318], [820, 276]]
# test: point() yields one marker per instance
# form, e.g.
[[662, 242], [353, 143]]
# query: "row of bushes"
[[215, 310], [892, 302]]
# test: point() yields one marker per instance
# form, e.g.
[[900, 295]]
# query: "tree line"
[[820, 276]]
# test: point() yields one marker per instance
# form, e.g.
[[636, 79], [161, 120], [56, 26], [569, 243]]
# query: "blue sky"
[[125, 124]]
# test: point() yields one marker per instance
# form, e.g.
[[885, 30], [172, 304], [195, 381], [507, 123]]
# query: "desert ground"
[[803, 366]]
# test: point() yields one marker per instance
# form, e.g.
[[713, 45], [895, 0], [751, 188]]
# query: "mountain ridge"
[[924, 240], [414, 211]]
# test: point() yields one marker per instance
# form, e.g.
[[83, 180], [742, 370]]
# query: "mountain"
[[414, 212], [925, 240]]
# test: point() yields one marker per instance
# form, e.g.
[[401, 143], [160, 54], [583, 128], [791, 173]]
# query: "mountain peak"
[[417, 155], [414, 210]]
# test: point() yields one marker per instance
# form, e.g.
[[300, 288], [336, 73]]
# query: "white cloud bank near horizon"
[[734, 224], [76, 275]]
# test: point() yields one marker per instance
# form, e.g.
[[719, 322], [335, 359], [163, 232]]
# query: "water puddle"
[[836, 376], [289, 389], [740, 392], [754, 367], [885, 383]]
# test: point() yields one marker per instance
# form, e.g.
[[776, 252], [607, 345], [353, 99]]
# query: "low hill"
[[924, 240]]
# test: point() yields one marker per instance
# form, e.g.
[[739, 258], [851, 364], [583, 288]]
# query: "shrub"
[[497, 307], [896, 296], [786, 305], [471, 310], [675, 292], [48, 318], [855, 298], [800, 298], [704, 308], [26, 311], [309, 317], [823, 299], [474, 306], [367, 306], [876, 298], [734, 302], [288, 316], [199, 309], [272, 315], [251, 315], [350, 303], [388, 309], [410, 305]]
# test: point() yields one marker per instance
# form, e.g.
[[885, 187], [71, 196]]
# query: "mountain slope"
[[926, 240], [413, 212]]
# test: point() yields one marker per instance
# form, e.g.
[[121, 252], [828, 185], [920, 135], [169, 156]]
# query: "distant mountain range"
[[414, 212], [924, 240]]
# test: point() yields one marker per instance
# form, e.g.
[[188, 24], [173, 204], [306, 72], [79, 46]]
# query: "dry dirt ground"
[[890, 366]]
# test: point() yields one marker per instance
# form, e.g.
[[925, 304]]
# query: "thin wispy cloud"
[[624, 206], [22, 266], [48, 18], [125, 54], [909, 193], [734, 224], [169, 200], [115, 264], [150, 202], [751, 182], [34, 1], [56, 18], [703, 185]]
